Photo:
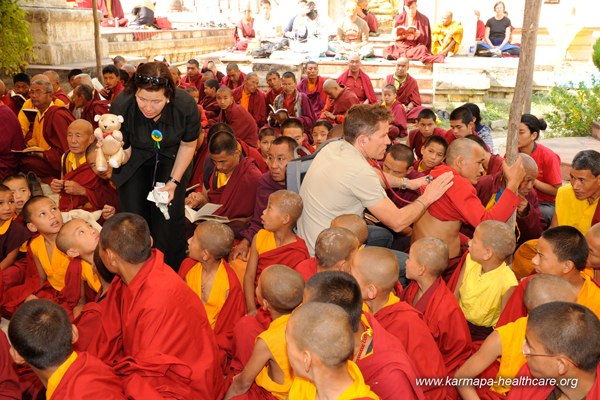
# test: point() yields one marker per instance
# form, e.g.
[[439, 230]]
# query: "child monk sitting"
[[42, 336], [428, 293], [209, 275], [320, 343], [486, 282], [505, 343], [333, 250], [279, 291], [276, 243], [434, 154], [355, 224], [398, 124], [12, 233], [376, 271], [21, 191], [426, 127]]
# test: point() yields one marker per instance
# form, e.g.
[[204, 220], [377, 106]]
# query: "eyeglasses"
[[527, 354], [152, 80]]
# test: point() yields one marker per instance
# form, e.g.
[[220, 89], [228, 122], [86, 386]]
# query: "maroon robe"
[[114, 92], [388, 369], [56, 122], [514, 308], [266, 185], [402, 198], [495, 164], [341, 105], [408, 93], [305, 115], [417, 140], [371, 20], [12, 239], [198, 83], [243, 180], [399, 123], [89, 378], [226, 81], [256, 105], [10, 103], [93, 108], [152, 319], [10, 139], [233, 309], [406, 323], [242, 123], [270, 97], [317, 97], [211, 108], [9, 382], [62, 96], [98, 192], [367, 86], [244, 338], [445, 320], [419, 49], [89, 324], [289, 255]]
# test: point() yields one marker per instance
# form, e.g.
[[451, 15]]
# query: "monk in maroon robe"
[[252, 99], [295, 102], [312, 87], [194, 77], [6, 98], [407, 89], [156, 313], [368, 16], [243, 124], [355, 79], [83, 97], [98, 192], [413, 37], [275, 88], [234, 78], [9, 382], [340, 100], [11, 139]]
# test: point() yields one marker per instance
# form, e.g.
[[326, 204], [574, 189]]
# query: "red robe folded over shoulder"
[[290, 255], [9, 382], [98, 192], [233, 309], [159, 314], [243, 124], [388, 370], [417, 140], [317, 97], [445, 320], [211, 108], [407, 92], [367, 85], [514, 308], [404, 322], [257, 106], [307, 268], [89, 324], [237, 197], [531, 392], [340, 106], [245, 333], [88, 378]]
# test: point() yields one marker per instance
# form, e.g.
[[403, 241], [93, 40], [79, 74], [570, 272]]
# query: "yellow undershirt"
[[218, 293], [59, 374]]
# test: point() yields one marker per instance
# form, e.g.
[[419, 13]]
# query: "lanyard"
[[157, 137]]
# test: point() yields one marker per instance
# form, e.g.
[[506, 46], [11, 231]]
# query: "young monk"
[[560, 251], [434, 154], [265, 139], [150, 314], [376, 271], [506, 342], [382, 360], [399, 162], [208, 274], [333, 250], [209, 102], [195, 93], [355, 224], [486, 282], [320, 343], [237, 117], [276, 243], [399, 123], [461, 124], [78, 184], [460, 204], [20, 189], [319, 132], [426, 127], [562, 342], [279, 292], [428, 293], [12, 233], [42, 336], [292, 127]]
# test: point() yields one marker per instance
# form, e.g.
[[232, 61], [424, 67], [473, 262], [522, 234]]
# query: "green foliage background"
[[15, 40], [596, 54]]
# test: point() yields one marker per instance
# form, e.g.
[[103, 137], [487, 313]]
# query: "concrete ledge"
[[568, 147]]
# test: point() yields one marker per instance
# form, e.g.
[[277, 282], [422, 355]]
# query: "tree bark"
[[97, 40]]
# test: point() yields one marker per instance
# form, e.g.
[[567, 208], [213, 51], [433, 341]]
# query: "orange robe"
[[227, 313], [406, 324]]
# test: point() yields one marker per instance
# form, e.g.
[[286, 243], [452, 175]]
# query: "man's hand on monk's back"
[[437, 188], [514, 174]]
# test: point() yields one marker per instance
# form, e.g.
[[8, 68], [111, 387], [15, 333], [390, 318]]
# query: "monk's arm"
[[242, 381], [546, 188], [489, 351], [250, 277], [9, 259], [459, 282], [506, 297], [40, 270], [554, 222]]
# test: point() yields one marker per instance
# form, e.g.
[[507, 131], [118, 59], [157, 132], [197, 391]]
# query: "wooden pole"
[[97, 40], [522, 97]]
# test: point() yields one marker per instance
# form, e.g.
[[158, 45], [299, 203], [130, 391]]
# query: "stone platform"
[[568, 147]]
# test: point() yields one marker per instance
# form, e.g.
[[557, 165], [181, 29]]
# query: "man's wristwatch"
[[404, 183], [175, 181], [429, 178]]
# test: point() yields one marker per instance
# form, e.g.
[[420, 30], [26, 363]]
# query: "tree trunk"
[[97, 40]]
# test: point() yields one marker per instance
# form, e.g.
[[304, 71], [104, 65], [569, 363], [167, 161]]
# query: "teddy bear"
[[110, 142]]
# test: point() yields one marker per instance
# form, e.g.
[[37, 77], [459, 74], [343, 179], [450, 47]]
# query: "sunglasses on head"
[[152, 80]]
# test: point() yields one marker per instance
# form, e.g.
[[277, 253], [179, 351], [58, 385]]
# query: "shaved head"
[[330, 84], [544, 288], [324, 330], [64, 239], [376, 266], [354, 223], [334, 245], [432, 253], [461, 147], [216, 238], [224, 89], [499, 237], [288, 202], [592, 237], [282, 288], [531, 168]]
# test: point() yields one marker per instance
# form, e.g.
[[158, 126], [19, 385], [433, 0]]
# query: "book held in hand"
[[206, 213]]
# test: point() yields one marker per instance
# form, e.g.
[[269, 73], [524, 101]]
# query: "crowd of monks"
[[455, 303]]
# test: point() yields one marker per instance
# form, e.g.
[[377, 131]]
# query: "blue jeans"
[[381, 237]]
